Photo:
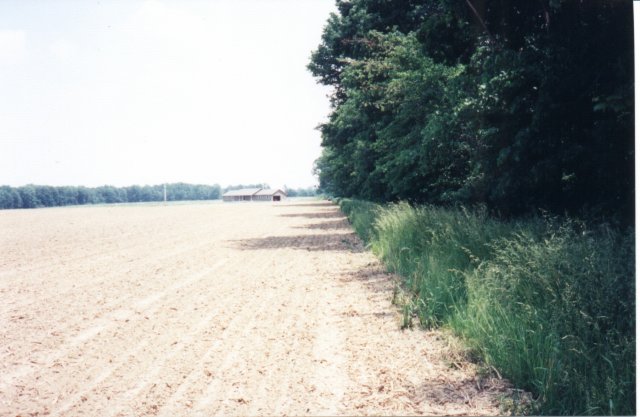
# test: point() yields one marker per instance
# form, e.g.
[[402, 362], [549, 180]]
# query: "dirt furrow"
[[97, 351]]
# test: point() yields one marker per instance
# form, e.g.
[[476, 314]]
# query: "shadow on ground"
[[374, 277], [317, 215], [463, 391], [314, 242], [319, 204], [329, 225]]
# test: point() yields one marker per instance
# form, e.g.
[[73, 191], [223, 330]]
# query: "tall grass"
[[549, 303], [362, 215], [433, 249]]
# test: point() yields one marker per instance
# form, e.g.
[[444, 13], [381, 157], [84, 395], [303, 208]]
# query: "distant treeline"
[[301, 192], [33, 196], [243, 186]]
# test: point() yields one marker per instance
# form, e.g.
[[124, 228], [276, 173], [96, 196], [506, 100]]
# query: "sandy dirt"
[[203, 309]]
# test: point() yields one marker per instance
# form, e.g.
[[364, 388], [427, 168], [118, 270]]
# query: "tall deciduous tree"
[[517, 105]]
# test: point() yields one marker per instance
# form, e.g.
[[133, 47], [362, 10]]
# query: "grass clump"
[[362, 215], [555, 311], [433, 248], [549, 303]]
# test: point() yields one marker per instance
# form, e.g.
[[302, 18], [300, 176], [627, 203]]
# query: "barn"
[[254, 194]]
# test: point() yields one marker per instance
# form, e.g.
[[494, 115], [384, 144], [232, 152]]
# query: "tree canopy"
[[518, 105]]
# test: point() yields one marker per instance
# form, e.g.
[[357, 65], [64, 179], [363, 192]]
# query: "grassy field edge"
[[548, 302]]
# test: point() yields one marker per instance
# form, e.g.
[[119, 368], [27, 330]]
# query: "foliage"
[[555, 312], [32, 196], [242, 186], [301, 192], [517, 105], [548, 302], [362, 215], [434, 248]]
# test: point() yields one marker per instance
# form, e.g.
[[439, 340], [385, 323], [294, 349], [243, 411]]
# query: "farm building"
[[254, 194]]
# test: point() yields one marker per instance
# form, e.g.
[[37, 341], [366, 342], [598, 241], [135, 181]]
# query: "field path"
[[204, 309]]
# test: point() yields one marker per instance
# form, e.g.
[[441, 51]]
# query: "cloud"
[[12, 46]]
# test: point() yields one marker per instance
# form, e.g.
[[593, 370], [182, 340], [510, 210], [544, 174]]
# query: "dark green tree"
[[28, 196], [516, 105]]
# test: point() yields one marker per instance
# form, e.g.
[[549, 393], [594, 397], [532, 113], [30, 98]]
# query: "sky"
[[116, 92]]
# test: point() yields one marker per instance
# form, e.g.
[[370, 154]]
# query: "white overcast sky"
[[145, 92]]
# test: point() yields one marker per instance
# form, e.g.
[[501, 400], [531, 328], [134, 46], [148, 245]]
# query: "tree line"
[[34, 196], [515, 105], [301, 192]]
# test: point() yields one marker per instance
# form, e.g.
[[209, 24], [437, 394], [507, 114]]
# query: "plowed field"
[[202, 309]]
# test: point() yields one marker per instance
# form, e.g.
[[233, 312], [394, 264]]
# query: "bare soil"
[[203, 309]]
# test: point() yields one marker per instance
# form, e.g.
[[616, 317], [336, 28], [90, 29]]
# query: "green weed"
[[549, 303]]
